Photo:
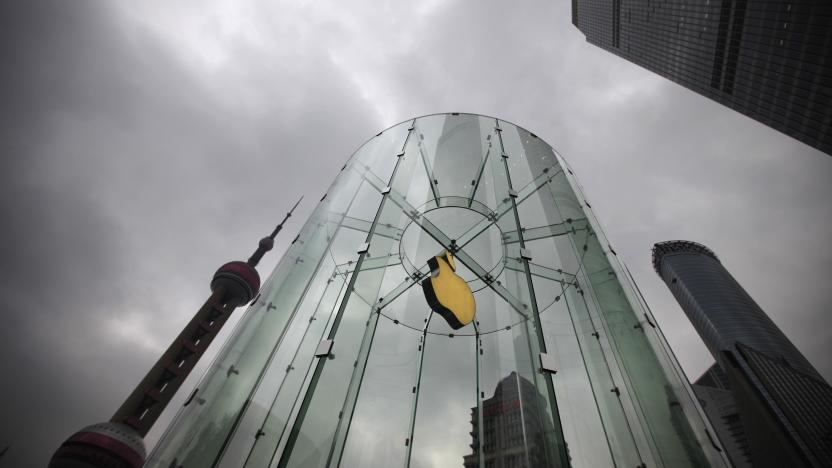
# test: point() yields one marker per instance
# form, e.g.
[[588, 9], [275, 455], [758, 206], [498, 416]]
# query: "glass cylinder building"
[[341, 361]]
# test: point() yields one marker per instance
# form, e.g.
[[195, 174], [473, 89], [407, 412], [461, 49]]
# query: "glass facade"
[[768, 59], [341, 362]]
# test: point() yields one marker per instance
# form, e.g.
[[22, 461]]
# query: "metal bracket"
[[386, 190], [547, 363], [364, 248], [512, 193], [324, 348], [526, 254], [453, 247]]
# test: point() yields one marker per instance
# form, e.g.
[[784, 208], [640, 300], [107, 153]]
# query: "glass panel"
[[571, 335], [380, 425], [553, 211], [458, 155], [257, 405], [378, 154], [515, 419], [483, 183], [441, 436], [273, 426], [341, 195], [515, 142], [314, 443], [583, 430], [678, 394], [230, 380], [655, 399], [520, 283], [401, 387], [421, 150], [318, 435], [688, 410], [365, 206]]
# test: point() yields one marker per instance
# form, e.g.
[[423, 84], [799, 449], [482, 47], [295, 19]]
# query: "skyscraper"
[[714, 393], [512, 435], [341, 360], [768, 59], [784, 404]]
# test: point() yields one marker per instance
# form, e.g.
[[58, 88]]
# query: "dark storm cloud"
[[125, 180], [62, 269], [145, 143]]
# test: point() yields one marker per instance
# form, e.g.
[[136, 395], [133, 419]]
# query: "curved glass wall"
[[563, 364]]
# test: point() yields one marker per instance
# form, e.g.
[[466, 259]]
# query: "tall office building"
[[341, 361], [769, 59], [783, 403], [714, 393]]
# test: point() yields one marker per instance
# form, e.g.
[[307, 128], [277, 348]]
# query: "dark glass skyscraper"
[[783, 402], [769, 59]]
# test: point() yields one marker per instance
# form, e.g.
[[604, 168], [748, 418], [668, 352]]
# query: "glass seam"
[[417, 388]]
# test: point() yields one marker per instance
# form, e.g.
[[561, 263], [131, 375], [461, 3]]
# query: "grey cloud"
[[127, 180], [131, 170]]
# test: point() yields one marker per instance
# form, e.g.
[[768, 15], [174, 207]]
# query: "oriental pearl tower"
[[119, 442]]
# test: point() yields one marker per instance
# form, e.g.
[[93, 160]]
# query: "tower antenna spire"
[[267, 243]]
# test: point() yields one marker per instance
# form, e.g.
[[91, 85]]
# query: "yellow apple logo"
[[447, 293]]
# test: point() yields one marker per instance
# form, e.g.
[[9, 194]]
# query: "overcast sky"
[[146, 143]]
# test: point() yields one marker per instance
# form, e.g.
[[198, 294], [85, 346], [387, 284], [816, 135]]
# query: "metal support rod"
[[416, 388], [581, 298], [262, 374], [291, 366], [307, 398], [479, 356], [561, 457]]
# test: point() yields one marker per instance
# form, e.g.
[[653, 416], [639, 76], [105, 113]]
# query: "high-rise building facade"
[[716, 398], [783, 403], [340, 361], [508, 417], [768, 59]]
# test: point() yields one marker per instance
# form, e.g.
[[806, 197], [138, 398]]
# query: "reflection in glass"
[[513, 433]]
